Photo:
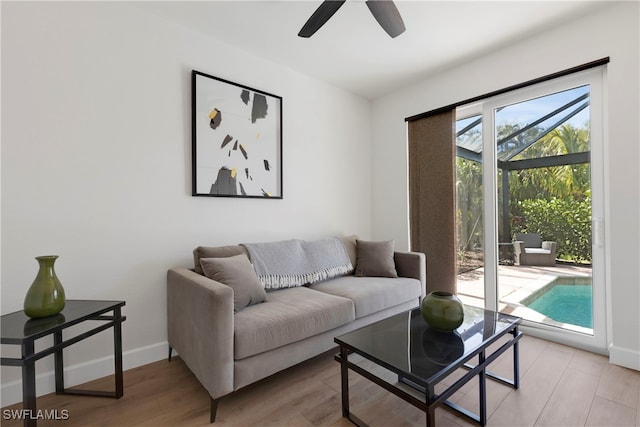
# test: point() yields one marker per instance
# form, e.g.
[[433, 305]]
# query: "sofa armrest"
[[518, 247], [551, 246], [413, 265], [200, 327]]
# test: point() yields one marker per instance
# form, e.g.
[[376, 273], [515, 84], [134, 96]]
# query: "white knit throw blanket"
[[291, 263]]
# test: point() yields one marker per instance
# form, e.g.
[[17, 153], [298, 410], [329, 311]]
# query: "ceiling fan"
[[384, 11]]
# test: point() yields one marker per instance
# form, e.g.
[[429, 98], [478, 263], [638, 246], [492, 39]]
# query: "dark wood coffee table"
[[420, 358]]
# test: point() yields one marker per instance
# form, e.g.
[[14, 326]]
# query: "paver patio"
[[515, 284]]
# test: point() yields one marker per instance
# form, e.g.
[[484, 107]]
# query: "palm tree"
[[569, 139], [555, 181]]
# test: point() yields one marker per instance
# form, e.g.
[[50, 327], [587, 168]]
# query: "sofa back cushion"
[[349, 243], [237, 273], [215, 252], [531, 240], [294, 262]]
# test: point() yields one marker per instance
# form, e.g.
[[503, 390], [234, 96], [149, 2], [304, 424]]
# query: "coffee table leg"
[[431, 417], [516, 358], [344, 379], [482, 379]]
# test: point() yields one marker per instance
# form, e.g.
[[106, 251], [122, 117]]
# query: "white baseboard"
[[83, 372], [624, 357]]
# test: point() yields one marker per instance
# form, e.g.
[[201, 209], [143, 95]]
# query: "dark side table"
[[19, 329]]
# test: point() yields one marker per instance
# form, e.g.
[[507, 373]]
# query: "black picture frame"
[[236, 139]]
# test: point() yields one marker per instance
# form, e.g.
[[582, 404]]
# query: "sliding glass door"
[[530, 207], [470, 205]]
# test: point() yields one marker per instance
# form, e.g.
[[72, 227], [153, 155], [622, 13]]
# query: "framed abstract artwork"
[[236, 139]]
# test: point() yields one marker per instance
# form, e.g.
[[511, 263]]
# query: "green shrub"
[[566, 221]]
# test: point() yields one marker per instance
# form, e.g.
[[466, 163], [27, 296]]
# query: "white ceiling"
[[352, 51]]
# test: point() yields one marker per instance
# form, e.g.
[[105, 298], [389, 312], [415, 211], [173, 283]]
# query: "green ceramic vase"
[[442, 310], [45, 297]]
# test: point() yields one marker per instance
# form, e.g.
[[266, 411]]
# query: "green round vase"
[[45, 297], [442, 311]]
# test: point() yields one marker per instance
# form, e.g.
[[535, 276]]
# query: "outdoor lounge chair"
[[529, 249]]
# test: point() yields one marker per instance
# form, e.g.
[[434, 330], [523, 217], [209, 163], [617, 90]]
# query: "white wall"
[[96, 165], [613, 32]]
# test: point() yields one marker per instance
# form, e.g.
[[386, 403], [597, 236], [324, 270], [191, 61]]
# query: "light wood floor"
[[560, 386]]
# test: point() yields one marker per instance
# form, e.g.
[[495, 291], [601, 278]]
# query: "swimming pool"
[[565, 300]]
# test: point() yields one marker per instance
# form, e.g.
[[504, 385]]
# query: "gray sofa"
[[228, 350]]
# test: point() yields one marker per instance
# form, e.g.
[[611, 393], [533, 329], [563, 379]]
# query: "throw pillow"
[[375, 259], [237, 273]]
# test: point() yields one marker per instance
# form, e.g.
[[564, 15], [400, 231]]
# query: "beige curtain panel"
[[432, 196]]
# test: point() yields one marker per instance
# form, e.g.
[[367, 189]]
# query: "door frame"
[[595, 78]]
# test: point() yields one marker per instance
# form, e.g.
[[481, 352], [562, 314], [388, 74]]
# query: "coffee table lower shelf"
[[426, 399]]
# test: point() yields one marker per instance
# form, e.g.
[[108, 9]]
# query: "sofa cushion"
[[215, 252], [375, 259], [287, 316], [237, 273], [537, 251], [372, 294]]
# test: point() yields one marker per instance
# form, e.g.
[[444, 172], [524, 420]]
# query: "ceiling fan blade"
[[320, 17], [387, 16]]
